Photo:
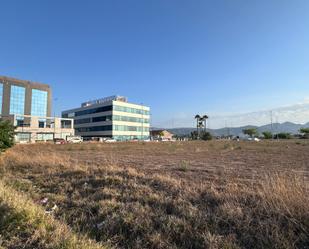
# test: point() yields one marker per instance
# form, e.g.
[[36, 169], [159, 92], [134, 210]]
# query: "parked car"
[[59, 141], [253, 139], [74, 139], [110, 140]]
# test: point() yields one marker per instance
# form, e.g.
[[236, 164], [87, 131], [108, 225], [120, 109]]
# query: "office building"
[[28, 106], [112, 117], [24, 97]]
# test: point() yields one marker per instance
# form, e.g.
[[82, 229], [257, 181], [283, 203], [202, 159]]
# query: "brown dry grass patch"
[[173, 195]]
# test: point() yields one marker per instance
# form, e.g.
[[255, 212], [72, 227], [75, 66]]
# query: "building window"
[[39, 103], [41, 124], [1, 96], [20, 123], [23, 137], [44, 136], [101, 119], [17, 100], [82, 121], [66, 124]]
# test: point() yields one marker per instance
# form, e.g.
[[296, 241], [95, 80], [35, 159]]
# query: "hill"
[[237, 131]]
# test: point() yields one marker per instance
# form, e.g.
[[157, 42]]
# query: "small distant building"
[[161, 134], [110, 117], [40, 129]]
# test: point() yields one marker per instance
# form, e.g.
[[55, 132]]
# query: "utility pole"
[[271, 124], [55, 99], [142, 121]]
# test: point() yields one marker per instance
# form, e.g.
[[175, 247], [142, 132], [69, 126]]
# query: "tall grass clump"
[[24, 224]]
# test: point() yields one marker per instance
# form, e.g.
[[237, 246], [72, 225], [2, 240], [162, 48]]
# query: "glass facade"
[[95, 128], [17, 100], [130, 119], [39, 103], [129, 109], [127, 128], [128, 137], [82, 121], [94, 110], [1, 96], [23, 137], [44, 136], [130, 128], [110, 118]]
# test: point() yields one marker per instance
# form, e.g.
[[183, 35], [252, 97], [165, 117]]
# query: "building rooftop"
[[103, 100], [14, 80]]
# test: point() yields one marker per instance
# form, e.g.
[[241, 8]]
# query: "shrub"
[[283, 135], [184, 166], [305, 132], [267, 135], [206, 135], [251, 132], [6, 134]]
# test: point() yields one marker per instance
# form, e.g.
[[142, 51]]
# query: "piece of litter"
[[51, 210], [100, 225], [44, 200]]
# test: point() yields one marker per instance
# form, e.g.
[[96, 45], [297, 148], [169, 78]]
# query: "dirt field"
[[218, 194]]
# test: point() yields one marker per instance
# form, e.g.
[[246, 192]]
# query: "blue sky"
[[179, 57]]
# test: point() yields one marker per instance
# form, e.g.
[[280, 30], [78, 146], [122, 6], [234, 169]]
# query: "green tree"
[[6, 134], [305, 131], [205, 135], [283, 135], [251, 132], [194, 135], [267, 135]]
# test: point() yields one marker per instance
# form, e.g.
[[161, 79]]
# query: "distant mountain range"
[[237, 131]]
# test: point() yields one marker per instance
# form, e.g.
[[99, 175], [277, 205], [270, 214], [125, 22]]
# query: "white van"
[[74, 139]]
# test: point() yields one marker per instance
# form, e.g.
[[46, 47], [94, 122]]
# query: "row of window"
[[130, 128], [90, 111], [95, 128], [112, 127], [130, 119], [17, 101], [131, 110], [93, 120], [126, 138], [109, 118], [26, 137], [105, 109]]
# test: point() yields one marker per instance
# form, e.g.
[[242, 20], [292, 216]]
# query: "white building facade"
[[112, 117]]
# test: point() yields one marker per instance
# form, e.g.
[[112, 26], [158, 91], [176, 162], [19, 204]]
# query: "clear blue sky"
[[178, 57]]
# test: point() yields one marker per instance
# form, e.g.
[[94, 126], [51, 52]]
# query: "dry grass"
[[171, 195], [24, 224]]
